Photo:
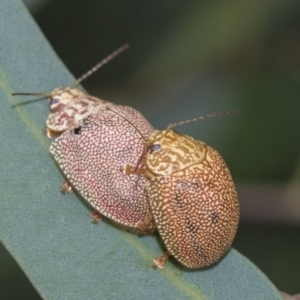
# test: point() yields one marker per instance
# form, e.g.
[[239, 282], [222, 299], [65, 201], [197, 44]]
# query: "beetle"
[[92, 156], [94, 138], [192, 197]]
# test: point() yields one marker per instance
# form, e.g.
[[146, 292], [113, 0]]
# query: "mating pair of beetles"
[[144, 179]]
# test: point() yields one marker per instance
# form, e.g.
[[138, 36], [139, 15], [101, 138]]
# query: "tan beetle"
[[192, 197]]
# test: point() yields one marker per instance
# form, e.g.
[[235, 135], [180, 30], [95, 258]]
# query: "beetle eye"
[[53, 101], [154, 147]]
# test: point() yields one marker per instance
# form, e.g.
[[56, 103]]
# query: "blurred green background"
[[189, 58]]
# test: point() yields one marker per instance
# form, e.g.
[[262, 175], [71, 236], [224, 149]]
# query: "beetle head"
[[70, 105], [170, 152]]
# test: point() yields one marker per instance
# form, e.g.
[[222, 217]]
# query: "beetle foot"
[[96, 216], [160, 261], [66, 187]]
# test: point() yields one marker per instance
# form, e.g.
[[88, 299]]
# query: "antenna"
[[219, 113], [32, 94], [100, 64], [85, 75]]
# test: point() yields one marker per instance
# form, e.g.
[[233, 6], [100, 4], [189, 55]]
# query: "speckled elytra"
[[93, 141], [192, 197]]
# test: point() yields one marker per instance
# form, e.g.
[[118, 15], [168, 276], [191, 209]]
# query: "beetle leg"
[[96, 216], [160, 261], [127, 170], [52, 134], [66, 187], [142, 225]]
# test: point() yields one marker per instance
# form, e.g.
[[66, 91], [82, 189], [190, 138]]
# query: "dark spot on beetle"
[[177, 199], [195, 184], [201, 252], [190, 226], [77, 130], [154, 147], [214, 217]]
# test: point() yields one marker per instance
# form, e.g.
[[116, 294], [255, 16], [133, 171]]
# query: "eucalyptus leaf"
[[49, 234]]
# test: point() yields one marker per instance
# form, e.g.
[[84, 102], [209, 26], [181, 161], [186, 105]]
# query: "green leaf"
[[51, 235]]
